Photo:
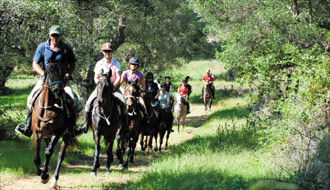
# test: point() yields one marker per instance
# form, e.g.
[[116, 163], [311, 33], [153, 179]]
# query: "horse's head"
[[104, 87], [179, 98], [131, 93], [56, 74]]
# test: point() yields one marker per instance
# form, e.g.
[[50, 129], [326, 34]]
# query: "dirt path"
[[77, 175]]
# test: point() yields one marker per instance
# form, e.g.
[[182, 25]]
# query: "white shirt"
[[114, 66]]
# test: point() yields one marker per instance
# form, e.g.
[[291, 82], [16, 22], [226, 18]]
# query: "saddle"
[[69, 105]]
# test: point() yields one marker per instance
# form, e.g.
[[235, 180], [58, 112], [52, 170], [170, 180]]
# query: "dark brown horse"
[[150, 128], [165, 126], [208, 97], [105, 120], [134, 121], [51, 121]]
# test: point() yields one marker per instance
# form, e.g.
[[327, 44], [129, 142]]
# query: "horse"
[[165, 126], [180, 109], [207, 96], [51, 120], [131, 94], [105, 120], [150, 128]]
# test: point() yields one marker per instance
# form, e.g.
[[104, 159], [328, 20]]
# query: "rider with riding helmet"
[[134, 76], [54, 50], [107, 63], [151, 90], [183, 91], [164, 99], [208, 79]]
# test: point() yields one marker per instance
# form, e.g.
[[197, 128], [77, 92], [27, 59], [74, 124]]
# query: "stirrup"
[[18, 128]]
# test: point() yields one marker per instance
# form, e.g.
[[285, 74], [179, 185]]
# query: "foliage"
[[160, 33], [281, 49]]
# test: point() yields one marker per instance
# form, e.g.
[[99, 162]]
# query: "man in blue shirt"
[[54, 50]]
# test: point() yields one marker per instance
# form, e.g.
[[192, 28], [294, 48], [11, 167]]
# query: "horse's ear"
[[109, 74], [101, 72]]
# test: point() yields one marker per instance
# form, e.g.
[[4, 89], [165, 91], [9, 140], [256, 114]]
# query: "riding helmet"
[[167, 77], [133, 61], [149, 75], [163, 85], [106, 46]]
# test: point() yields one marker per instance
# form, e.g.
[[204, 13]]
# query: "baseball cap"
[[56, 29]]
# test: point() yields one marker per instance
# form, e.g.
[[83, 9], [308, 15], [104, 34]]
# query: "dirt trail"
[[77, 175]]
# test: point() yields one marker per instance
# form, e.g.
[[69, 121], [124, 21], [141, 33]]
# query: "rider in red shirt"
[[208, 79], [183, 91]]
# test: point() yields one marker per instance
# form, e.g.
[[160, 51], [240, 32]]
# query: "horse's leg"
[[156, 141], [119, 148], [109, 143], [141, 142], [135, 139], [161, 137], [205, 103], [211, 101], [147, 142], [49, 151], [167, 137], [178, 122], [96, 163], [61, 155], [36, 148], [128, 152]]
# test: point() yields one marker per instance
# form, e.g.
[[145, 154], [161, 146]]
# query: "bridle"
[[134, 99], [101, 114]]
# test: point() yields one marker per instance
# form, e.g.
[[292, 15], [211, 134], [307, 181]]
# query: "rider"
[[54, 50], [208, 79], [151, 90], [164, 98], [183, 91], [133, 75], [188, 86], [168, 88], [107, 63]]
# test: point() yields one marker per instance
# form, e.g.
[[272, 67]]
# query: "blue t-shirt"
[[44, 55]]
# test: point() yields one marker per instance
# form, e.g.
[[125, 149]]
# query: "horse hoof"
[[155, 149], [124, 168], [131, 161], [93, 173], [107, 173], [44, 178], [53, 184]]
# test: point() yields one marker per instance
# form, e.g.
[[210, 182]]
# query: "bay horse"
[[51, 120], [131, 94], [105, 120], [180, 109], [165, 126], [207, 96], [150, 128]]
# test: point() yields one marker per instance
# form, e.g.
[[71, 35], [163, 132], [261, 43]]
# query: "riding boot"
[[87, 121], [27, 125], [188, 108], [202, 93]]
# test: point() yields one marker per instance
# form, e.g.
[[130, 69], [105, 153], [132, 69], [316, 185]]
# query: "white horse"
[[180, 109]]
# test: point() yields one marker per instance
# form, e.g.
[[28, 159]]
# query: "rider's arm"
[[170, 88], [116, 84], [143, 84], [36, 67], [96, 77]]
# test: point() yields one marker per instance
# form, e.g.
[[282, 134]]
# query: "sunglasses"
[[107, 51], [55, 35]]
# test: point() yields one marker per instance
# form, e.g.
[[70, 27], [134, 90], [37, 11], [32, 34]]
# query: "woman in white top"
[[107, 63]]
